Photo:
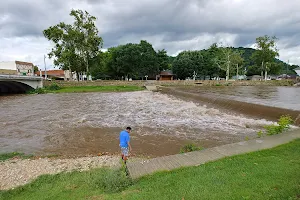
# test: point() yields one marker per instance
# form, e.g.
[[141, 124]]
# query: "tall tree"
[[74, 44], [210, 67], [188, 64], [266, 53], [223, 60], [148, 60], [163, 60], [237, 61], [87, 40]]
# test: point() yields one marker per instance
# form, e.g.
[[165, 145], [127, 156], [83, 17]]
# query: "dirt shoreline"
[[18, 172]]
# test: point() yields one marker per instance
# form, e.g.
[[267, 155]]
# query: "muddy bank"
[[146, 142], [229, 105]]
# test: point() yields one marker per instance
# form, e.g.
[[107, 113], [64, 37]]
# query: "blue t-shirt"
[[124, 138]]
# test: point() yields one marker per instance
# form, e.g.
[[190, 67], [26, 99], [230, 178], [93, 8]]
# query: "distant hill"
[[248, 61]]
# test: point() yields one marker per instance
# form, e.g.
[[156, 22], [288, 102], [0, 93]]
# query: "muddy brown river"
[[89, 123]]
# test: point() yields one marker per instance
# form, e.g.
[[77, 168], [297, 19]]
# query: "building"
[[297, 70], [57, 74], [165, 75], [17, 68], [255, 78]]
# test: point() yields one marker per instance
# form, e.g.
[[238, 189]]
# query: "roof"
[[166, 73], [58, 72], [23, 63]]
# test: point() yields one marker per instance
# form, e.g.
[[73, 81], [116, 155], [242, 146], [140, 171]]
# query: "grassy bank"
[[173, 83], [107, 88], [7, 156], [81, 89], [268, 174]]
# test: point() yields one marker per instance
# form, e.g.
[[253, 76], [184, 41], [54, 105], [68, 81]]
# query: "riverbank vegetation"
[[189, 148], [284, 123], [267, 174], [54, 88], [7, 156], [76, 51]]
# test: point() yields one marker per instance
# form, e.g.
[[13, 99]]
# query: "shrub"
[[53, 86], [40, 91], [260, 134], [7, 156], [112, 181], [283, 124], [189, 148]]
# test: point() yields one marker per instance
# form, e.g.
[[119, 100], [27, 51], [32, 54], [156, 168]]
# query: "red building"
[[165, 75]]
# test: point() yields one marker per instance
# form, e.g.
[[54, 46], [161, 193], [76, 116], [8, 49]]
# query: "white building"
[[17, 68]]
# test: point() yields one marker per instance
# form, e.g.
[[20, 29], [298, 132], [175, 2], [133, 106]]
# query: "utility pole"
[[286, 73], [194, 75], [237, 72], [45, 67]]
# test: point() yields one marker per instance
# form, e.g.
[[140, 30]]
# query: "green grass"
[[268, 174], [108, 88], [7, 156], [72, 185], [189, 148], [81, 89]]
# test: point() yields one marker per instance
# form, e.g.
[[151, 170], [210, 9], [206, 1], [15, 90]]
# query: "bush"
[[53, 86], [260, 134], [283, 124], [40, 91], [7, 156], [112, 181], [189, 148]]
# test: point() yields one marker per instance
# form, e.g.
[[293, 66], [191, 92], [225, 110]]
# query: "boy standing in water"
[[125, 143]]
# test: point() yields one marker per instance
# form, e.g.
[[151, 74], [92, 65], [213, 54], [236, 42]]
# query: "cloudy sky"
[[174, 25]]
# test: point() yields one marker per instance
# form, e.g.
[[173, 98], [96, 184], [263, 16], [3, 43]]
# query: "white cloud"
[[30, 49], [167, 24]]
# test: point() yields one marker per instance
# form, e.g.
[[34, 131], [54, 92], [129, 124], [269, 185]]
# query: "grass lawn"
[[268, 174], [108, 88]]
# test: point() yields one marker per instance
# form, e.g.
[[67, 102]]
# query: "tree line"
[[77, 47]]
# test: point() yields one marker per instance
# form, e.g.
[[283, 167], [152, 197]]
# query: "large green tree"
[[133, 61], [188, 64], [237, 62], [75, 44], [99, 65], [148, 60], [210, 67], [265, 54], [163, 60]]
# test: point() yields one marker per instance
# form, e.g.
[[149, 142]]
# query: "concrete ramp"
[[152, 88]]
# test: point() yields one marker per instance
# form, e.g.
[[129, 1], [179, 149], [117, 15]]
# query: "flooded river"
[[89, 123]]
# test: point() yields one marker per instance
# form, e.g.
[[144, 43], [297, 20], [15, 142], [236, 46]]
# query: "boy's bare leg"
[[125, 159]]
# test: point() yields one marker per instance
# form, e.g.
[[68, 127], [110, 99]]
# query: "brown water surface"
[[89, 123]]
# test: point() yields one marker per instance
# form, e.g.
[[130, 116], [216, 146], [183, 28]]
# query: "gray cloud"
[[170, 24]]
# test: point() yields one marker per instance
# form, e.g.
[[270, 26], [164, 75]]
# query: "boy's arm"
[[129, 146], [128, 142]]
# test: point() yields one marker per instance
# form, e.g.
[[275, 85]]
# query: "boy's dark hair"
[[128, 128]]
